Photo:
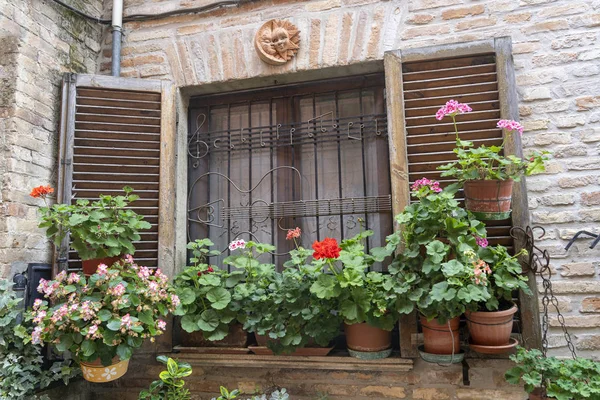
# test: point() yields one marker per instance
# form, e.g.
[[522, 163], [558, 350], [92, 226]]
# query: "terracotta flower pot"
[[261, 340], [366, 338], [491, 328], [488, 196], [440, 337], [96, 372], [538, 394], [90, 266], [237, 337]]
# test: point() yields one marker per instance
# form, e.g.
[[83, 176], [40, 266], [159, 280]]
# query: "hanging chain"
[[538, 261]]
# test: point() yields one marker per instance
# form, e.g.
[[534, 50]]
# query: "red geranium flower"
[[41, 191], [328, 248]]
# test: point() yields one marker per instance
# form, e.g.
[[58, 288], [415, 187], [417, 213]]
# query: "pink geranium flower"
[[510, 125], [452, 107]]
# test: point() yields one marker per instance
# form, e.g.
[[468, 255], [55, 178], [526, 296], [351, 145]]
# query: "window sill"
[[337, 361]]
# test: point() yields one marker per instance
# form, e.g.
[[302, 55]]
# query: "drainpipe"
[[117, 24]]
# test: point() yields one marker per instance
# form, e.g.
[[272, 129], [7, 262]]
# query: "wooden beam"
[[398, 171], [111, 82], [509, 109]]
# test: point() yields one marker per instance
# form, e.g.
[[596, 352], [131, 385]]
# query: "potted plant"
[[303, 323], [103, 318], [205, 292], [100, 232], [22, 372], [487, 174], [491, 324], [435, 272], [365, 299], [553, 378], [171, 383], [251, 279]]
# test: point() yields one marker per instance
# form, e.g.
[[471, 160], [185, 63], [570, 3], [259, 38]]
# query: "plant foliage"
[[171, 384], [103, 228], [21, 371], [564, 379], [106, 315]]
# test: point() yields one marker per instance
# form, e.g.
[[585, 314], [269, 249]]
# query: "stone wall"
[[424, 382], [39, 41], [557, 70]]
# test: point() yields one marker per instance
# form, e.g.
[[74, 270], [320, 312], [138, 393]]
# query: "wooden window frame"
[[509, 109]]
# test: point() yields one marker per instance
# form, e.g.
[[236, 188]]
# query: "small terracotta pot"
[[491, 328], [90, 266], [366, 338], [96, 372], [538, 394], [488, 196], [440, 337], [262, 340], [237, 337]]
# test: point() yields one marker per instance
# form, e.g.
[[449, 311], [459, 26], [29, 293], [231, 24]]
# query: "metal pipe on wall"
[[117, 25]]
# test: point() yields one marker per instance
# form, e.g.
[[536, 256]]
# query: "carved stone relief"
[[276, 42]]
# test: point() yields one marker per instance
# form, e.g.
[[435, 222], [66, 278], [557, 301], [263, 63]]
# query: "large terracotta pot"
[[491, 328], [366, 338], [237, 337], [90, 266], [488, 196], [440, 337], [96, 372]]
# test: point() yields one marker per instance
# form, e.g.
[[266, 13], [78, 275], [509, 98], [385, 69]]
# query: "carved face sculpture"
[[280, 41], [277, 41]]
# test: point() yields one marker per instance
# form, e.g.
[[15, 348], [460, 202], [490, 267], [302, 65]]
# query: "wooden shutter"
[[118, 132], [418, 83]]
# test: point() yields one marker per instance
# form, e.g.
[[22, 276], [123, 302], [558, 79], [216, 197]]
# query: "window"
[[313, 156]]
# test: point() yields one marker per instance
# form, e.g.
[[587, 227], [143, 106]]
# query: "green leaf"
[[172, 366], [219, 298], [124, 351], [188, 323], [88, 347], [104, 315], [146, 317], [325, 287], [209, 320], [452, 268], [114, 325], [187, 296], [77, 219]]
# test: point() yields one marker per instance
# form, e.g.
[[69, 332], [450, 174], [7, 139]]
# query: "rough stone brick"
[[587, 321], [590, 198], [527, 47], [581, 165], [566, 287], [463, 12], [588, 342], [554, 217], [431, 394], [517, 17], [420, 19], [554, 59], [557, 199], [323, 5], [478, 394], [472, 23], [579, 181], [588, 102], [565, 305], [546, 26], [569, 121], [417, 5], [570, 151], [430, 30], [590, 304], [536, 93], [544, 139], [384, 391], [590, 214], [535, 125], [574, 7], [577, 269]]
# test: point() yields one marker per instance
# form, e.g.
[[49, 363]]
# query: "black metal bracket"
[[582, 232]]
